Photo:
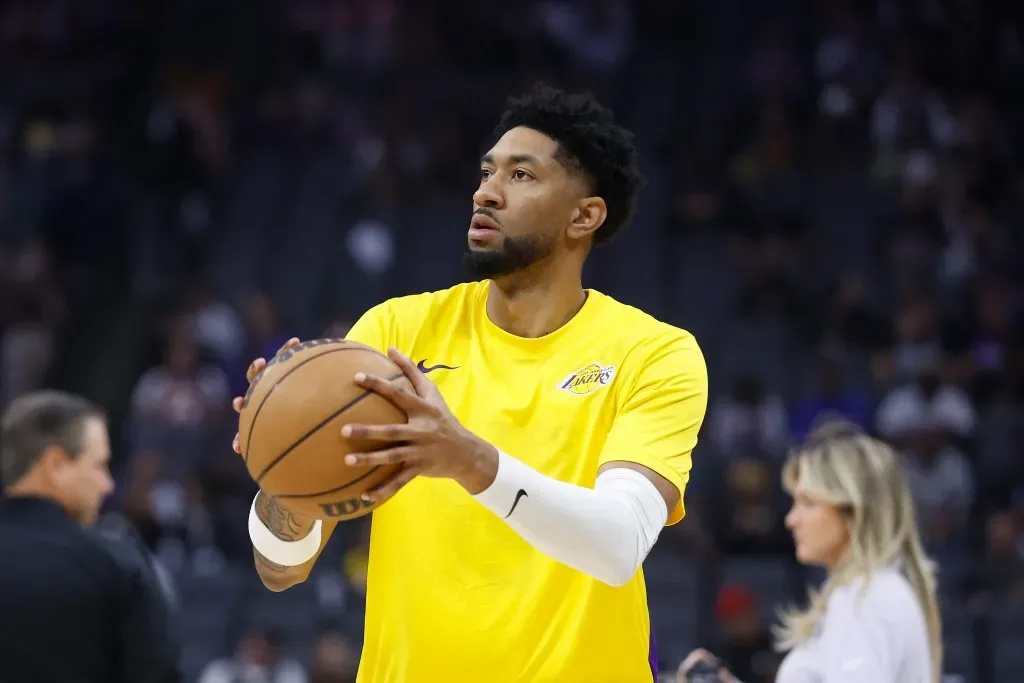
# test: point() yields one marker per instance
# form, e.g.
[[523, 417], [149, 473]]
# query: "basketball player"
[[548, 441], [876, 619]]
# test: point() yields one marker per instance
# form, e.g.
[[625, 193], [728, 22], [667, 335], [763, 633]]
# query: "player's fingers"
[[392, 486], [405, 400], [294, 341], [387, 456], [419, 381], [381, 433], [255, 368], [237, 403], [236, 445]]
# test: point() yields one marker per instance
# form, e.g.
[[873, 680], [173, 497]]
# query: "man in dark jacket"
[[76, 606]]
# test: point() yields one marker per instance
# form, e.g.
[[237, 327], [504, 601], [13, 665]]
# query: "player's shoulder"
[[416, 307], [401, 320], [641, 335]]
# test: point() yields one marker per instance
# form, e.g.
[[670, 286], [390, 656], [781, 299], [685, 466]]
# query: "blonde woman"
[[876, 619]]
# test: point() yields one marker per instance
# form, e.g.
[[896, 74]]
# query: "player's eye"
[[520, 174]]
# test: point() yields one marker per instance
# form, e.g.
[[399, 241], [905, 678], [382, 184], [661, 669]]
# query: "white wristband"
[[284, 553]]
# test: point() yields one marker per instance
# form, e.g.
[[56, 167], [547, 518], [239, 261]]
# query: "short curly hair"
[[589, 141]]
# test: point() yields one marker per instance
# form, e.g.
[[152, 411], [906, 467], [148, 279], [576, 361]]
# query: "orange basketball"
[[290, 427]]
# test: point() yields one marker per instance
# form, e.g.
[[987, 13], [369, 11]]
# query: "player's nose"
[[488, 196]]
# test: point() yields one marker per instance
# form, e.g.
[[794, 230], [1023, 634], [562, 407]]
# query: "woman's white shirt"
[[869, 634]]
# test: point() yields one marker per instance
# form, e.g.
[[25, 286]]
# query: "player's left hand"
[[431, 444]]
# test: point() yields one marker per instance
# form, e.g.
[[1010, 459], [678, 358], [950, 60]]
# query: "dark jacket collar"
[[34, 507]]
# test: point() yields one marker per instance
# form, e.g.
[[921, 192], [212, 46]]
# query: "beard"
[[516, 254]]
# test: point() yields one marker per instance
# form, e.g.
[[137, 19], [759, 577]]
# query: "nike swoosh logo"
[[422, 365], [519, 496]]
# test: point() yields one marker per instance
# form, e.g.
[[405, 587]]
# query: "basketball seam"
[[252, 425], [355, 481], [317, 428]]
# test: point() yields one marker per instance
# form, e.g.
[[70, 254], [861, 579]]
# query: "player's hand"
[[700, 656], [431, 444], [255, 368]]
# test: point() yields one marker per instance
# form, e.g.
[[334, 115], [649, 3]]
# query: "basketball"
[[290, 426]]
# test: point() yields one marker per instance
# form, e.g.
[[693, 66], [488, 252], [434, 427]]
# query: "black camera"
[[705, 672]]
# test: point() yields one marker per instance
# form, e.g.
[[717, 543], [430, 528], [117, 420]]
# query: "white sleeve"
[[858, 641], [604, 532]]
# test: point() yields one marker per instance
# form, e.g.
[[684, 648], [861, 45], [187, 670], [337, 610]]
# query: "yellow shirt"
[[453, 594]]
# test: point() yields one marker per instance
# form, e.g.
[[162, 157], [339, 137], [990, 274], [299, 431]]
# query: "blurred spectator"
[[85, 220], [1000, 575], [910, 114], [768, 182], [774, 70], [771, 293], [830, 399], [176, 403], [693, 537], [927, 400], [357, 559], [745, 644], [257, 659], [748, 422], [918, 342], [848, 321], [912, 237], [976, 244], [212, 324], [846, 63], [32, 309], [942, 484], [596, 36], [994, 330], [263, 337], [750, 518], [176, 411], [1000, 435], [335, 660], [700, 201]]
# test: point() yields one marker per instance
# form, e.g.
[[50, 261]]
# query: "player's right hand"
[[255, 368]]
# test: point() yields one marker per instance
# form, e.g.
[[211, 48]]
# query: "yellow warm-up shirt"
[[453, 594]]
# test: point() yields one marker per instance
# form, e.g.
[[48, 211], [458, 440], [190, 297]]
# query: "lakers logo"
[[587, 379]]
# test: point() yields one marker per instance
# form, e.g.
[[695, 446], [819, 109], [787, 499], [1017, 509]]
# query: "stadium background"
[[834, 208]]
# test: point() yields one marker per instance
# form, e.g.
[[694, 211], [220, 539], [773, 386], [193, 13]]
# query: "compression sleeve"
[[604, 532]]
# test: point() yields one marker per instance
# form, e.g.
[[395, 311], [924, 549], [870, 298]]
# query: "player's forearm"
[[277, 577], [604, 532], [286, 526]]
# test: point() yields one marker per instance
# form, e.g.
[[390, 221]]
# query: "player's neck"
[[536, 309]]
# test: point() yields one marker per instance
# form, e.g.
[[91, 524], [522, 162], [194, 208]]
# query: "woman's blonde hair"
[[841, 466]]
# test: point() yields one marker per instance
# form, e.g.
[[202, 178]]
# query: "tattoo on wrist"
[[265, 564], [279, 520]]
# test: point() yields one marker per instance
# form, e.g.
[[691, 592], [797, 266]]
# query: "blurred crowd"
[[835, 208]]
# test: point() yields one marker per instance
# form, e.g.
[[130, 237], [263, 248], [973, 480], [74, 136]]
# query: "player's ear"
[[588, 216]]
